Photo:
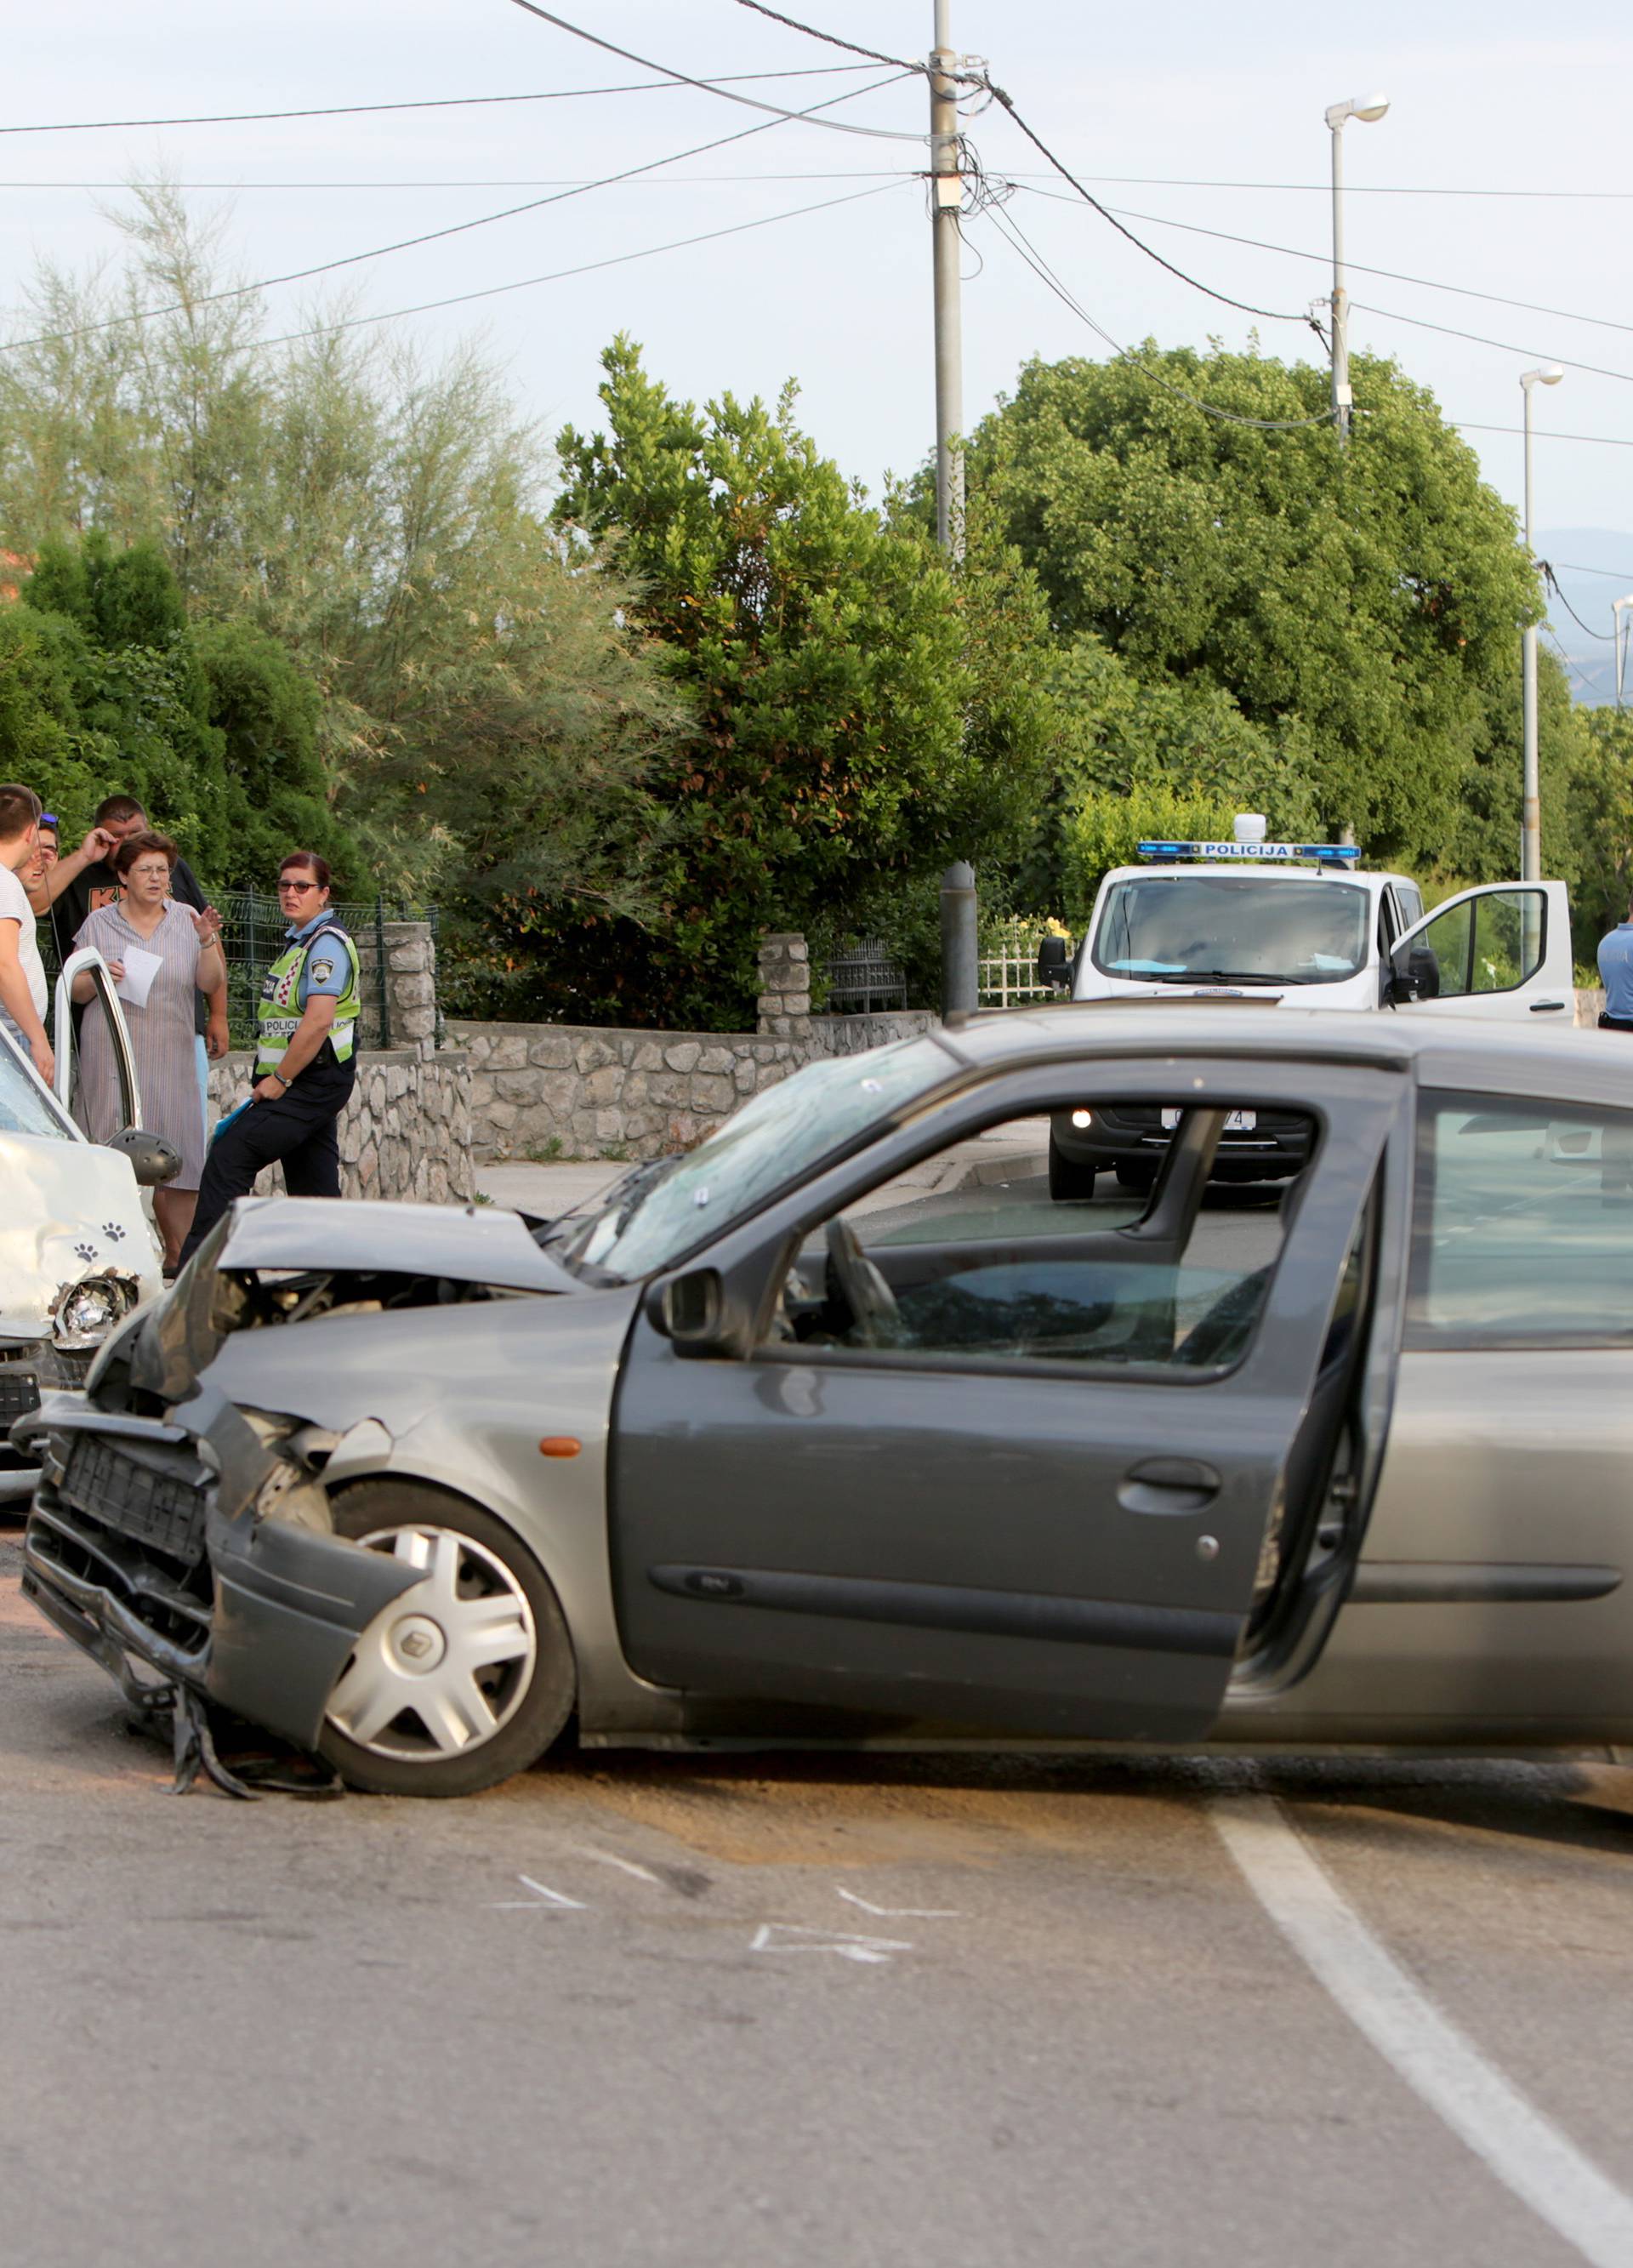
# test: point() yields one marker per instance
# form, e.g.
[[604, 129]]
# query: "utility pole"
[[1548, 373], [946, 193], [1618, 614]]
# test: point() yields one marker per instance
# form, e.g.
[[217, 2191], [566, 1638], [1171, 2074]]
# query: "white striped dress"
[[161, 1034]]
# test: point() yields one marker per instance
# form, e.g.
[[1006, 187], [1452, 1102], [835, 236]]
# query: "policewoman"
[[305, 1058]]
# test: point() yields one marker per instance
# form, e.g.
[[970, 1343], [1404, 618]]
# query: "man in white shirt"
[[22, 972]]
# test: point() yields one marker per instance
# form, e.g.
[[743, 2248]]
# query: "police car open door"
[[1501, 950], [1082, 1457]]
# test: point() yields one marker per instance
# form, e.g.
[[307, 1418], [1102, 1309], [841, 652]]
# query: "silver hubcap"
[[444, 1665]]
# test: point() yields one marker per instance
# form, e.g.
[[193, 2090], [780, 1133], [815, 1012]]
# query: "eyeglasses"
[[297, 886]]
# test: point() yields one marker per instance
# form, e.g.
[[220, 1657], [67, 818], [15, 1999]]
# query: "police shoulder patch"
[[321, 971]]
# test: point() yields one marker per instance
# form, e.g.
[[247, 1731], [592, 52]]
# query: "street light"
[[1548, 373], [1369, 108], [1618, 607]]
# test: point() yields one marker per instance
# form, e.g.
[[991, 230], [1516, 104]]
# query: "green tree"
[[1367, 601], [848, 740]]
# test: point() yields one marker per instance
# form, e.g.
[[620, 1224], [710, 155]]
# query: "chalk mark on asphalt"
[[794, 1937], [1514, 2140], [900, 1913], [624, 1866], [544, 1900]]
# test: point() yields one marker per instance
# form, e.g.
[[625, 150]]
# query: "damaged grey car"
[[839, 1429]]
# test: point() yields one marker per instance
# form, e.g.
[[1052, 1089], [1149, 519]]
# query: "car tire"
[[1068, 1178], [1137, 1178], [481, 1648]]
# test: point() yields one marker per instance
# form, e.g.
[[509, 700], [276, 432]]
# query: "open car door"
[[942, 1454], [67, 1036], [1503, 949]]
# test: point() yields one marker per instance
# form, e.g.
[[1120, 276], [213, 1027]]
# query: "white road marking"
[[1516, 2142], [900, 1913], [624, 1866], [540, 1903], [790, 1937]]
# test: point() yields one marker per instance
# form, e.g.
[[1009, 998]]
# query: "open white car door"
[[104, 1003], [1503, 949]]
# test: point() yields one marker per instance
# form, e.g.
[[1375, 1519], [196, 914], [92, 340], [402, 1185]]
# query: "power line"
[[983, 79], [1560, 655], [1611, 574], [713, 86], [1599, 440], [1504, 346], [502, 181], [1224, 298], [1352, 188], [559, 275], [1020, 242], [1322, 259], [429, 236], [832, 37], [437, 103], [1552, 580]]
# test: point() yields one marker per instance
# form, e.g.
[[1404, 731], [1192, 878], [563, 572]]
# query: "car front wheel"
[[465, 1678]]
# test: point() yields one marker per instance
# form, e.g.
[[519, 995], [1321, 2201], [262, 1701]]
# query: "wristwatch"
[[284, 1083]]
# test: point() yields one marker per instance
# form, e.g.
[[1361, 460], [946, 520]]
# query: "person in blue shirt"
[[1616, 974], [305, 1059]]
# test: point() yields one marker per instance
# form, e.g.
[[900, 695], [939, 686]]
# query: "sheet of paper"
[[140, 971]]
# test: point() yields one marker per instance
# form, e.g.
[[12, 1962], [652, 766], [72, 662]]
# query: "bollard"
[[959, 969]]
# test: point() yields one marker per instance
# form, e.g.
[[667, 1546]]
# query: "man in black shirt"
[[87, 882]]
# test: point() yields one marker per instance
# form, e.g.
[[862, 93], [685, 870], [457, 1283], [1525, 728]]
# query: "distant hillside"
[[1593, 565]]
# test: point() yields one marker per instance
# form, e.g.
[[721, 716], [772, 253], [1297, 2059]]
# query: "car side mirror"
[[153, 1160], [1414, 973], [1054, 961], [689, 1311]]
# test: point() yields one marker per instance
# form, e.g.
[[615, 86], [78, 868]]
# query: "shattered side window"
[[25, 1107]]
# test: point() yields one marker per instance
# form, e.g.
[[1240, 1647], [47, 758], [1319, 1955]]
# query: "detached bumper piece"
[[145, 1548]]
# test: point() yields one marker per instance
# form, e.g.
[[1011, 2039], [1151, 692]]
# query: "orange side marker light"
[[559, 1445]]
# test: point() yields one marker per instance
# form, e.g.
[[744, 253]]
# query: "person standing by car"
[[305, 1062], [148, 920], [1616, 974], [22, 972], [52, 878], [88, 881]]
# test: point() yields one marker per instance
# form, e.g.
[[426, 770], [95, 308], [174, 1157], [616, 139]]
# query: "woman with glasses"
[[306, 1060], [160, 955]]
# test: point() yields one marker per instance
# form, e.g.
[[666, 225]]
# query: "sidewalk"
[[547, 1191]]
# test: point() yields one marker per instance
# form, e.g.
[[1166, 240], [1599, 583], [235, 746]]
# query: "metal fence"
[[1009, 963], [252, 936], [864, 979]]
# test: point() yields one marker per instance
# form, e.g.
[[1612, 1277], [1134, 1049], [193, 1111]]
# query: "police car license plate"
[[1236, 1121]]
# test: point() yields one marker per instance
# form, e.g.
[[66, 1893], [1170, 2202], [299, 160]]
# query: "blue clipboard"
[[222, 1124]]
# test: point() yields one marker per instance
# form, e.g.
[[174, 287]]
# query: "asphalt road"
[[683, 2012]]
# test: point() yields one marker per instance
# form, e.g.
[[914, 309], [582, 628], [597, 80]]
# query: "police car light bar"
[[1324, 854]]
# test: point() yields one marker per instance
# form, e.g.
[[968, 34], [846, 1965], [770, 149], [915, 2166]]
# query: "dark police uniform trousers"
[[299, 1131]]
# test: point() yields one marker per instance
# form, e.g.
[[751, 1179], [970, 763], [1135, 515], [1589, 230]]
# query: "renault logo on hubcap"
[[417, 1643]]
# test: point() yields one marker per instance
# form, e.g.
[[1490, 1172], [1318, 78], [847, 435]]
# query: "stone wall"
[[587, 1091], [406, 1133]]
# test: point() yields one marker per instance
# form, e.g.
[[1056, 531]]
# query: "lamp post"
[[1548, 373], [1618, 610], [1369, 108]]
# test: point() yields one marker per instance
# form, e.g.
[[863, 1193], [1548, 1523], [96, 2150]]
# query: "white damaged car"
[[77, 1250]]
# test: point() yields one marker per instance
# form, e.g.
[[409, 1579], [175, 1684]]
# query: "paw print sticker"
[[114, 1232], [86, 1252]]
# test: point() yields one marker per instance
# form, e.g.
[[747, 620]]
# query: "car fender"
[[462, 1398]]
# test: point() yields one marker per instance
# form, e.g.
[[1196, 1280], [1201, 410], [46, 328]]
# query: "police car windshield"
[[1247, 928], [661, 1210]]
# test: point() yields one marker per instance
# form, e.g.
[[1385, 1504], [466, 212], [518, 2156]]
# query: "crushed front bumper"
[[146, 1545]]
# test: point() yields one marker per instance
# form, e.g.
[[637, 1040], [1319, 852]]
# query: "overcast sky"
[[1496, 97]]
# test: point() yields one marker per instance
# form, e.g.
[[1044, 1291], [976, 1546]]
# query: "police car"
[[1304, 924]]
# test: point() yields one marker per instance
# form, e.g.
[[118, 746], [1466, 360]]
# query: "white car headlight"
[[84, 1312]]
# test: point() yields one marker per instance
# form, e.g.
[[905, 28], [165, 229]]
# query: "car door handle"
[[1168, 1485], [1546, 1008]]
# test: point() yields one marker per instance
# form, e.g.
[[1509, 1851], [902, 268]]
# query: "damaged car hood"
[[70, 1210], [179, 1337]]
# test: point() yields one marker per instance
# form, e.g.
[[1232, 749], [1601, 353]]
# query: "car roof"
[[1444, 1049], [1249, 870]]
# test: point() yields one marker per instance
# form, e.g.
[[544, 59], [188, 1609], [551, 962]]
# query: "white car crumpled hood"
[[68, 1210]]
